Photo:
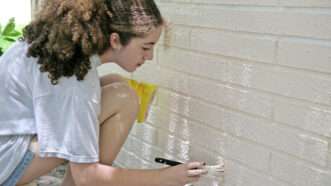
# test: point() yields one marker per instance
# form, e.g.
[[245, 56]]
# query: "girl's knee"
[[112, 78], [118, 97], [128, 97]]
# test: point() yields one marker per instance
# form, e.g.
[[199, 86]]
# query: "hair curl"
[[67, 32]]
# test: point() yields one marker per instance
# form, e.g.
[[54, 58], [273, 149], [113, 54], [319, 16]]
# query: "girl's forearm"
[[103, 175]]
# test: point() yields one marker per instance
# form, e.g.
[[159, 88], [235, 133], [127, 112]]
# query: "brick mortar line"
[[239, 60], [252, 142], [251, 33], [310, 133], [277, 6], [265, 92]]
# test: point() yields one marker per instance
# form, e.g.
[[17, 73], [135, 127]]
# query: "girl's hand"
[[182, 174]]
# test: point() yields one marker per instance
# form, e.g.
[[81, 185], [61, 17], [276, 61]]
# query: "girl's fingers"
[[195, 165], [196, 172]]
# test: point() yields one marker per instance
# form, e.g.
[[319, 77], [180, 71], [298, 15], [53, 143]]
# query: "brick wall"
[[247, 80]]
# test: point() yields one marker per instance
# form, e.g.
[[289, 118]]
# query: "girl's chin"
[[129, 69], [132, 69]]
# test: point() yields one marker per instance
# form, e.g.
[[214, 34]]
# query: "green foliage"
[[8, 35]]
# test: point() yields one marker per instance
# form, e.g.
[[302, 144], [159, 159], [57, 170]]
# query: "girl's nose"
[[149, 55]]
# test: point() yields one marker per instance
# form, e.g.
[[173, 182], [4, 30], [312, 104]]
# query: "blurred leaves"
[[8, 35]]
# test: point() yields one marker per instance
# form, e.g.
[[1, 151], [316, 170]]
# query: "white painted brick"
[[140, 150], [245, 100], [242, 79], [309, 117], [200, 153], [234, 45], [219, 68], [241, 99], [250, 74], [208, 137], [302, 85], [297, 172], [171, 122], [301, 23], [239, 2], [129, 159], [181, 12], [252, 155], [237, 175], [193, 63], [225, 2], [144, 132], [310, 24], [132, 145], [143, 164], [176, 35], [146, 165], [306, 3], [172, 145], [255, 20], [194, 132], [271, 134], [191, 108], [120, 159], [147, 151], [174, 1], [283, 81], [305, 54]]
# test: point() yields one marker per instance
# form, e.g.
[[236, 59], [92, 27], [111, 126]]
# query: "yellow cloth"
[[145, 92]]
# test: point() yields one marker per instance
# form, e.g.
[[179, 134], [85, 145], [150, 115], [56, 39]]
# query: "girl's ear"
[[115, 41]]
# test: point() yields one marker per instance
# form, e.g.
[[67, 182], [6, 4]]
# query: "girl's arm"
[[102, 175]]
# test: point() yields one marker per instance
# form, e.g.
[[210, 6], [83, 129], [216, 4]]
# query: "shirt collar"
[[95, 59]]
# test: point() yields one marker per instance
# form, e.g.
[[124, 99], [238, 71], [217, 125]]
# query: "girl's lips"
[[139, 64]]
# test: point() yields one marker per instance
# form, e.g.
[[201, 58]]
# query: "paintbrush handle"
[[166, 161]]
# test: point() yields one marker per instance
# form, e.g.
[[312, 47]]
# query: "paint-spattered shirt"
[[64, 117]]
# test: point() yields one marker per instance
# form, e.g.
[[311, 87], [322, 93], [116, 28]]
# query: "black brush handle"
[[167, 162]]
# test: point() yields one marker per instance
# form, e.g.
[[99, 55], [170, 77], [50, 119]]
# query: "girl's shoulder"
[[17, 50]]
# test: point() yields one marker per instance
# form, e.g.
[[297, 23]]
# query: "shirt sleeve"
[[67, 125]]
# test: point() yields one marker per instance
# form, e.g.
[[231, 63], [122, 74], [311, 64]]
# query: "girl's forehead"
[[149, 39], [153, 36]]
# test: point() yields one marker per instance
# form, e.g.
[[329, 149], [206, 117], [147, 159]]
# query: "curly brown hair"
[[67, 32]]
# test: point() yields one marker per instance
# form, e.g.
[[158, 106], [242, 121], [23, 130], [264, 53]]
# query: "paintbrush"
[[212, 170]]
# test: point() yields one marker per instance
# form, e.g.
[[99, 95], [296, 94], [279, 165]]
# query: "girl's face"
[[133, 55]]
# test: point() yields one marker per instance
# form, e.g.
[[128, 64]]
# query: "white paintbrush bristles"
[[214, 170]]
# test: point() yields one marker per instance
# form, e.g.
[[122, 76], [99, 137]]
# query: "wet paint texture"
[[247, 81]]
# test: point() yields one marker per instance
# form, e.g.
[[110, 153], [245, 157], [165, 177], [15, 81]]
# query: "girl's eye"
[[146, 49]]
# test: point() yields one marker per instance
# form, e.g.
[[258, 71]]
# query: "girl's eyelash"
[[146, 48]]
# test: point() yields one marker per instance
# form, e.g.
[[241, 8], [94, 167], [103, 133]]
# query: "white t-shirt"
[[64, 116]]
